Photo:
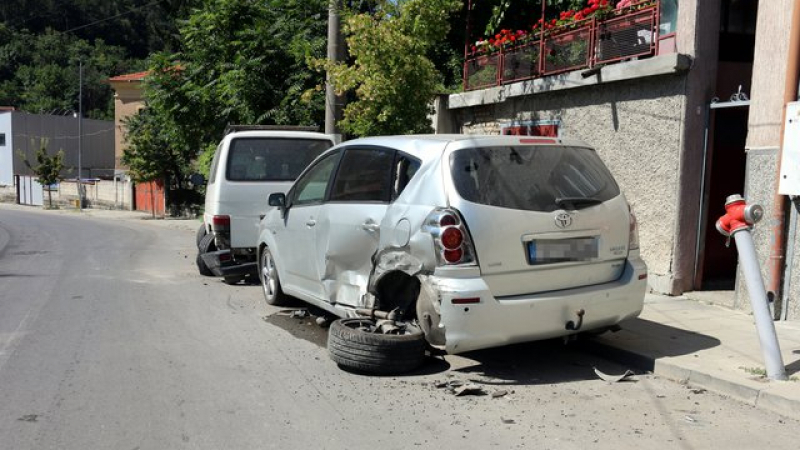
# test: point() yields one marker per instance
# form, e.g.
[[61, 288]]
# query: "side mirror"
[[277, 199], [197, 179]]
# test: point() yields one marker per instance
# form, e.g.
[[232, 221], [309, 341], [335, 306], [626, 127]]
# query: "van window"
[[531, 177], [271, 159], [212, 175]]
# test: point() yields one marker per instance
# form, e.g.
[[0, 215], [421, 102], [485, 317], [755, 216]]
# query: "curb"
[[763, 398]]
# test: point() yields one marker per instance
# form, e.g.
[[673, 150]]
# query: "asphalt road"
[[109, 339]]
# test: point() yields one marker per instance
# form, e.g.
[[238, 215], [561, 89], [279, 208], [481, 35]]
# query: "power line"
[[111, 17]]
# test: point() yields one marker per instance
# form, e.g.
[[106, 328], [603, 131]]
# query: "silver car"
[[455, 242]]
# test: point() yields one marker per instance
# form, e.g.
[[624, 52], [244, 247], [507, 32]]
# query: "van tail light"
[[452, 243], [221, 224], [633, 237]]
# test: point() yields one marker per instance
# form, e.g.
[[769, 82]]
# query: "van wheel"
[[268, 273], [201, 233], [206, 245], [355, 345]]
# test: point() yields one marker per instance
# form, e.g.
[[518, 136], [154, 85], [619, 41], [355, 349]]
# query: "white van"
[[247, 167]]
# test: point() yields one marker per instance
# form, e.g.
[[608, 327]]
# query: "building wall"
[[763, 142], [127, 101], [6, 151], [636, 127]]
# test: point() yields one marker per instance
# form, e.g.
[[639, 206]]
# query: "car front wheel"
[[268, 273]]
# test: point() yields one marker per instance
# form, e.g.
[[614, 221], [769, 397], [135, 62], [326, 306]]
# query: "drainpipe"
[[778, 250]]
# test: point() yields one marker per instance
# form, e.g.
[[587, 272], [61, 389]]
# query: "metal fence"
[[582, 45]]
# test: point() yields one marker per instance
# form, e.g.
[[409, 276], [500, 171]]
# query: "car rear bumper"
[[222, 264], [493, 322]]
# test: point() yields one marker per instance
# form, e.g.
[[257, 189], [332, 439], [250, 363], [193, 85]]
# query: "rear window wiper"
[[576, 202]]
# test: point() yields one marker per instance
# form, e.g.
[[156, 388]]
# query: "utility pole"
[[80, 132], [333, 103]]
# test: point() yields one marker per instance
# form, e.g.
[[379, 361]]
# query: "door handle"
[[370, 227], [311, 222]]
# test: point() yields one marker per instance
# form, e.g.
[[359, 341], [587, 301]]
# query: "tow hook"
[[572, 326]]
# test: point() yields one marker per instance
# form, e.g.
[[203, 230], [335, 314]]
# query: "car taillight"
[[633, 236], [452, 242], [452, 238], [221, 223]]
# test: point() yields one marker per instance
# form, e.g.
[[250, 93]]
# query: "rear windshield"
[[271, 159], [533, 178]]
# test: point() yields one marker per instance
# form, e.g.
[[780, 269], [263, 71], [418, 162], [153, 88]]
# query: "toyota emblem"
[[563, 220]]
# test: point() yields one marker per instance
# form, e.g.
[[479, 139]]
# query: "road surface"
[[109, 339]]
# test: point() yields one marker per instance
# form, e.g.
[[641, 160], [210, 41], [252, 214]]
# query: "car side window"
[[311, 187], [364, 175], [404, 169]]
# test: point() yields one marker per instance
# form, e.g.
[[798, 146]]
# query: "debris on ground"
[[613, 378], [469, 389], [699, 391], [323, 321], [507, 420], [500, 393], [29, 418]]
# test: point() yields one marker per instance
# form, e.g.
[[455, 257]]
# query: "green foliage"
[[48, 168], [391, 76], [39, 72], [241, 62]]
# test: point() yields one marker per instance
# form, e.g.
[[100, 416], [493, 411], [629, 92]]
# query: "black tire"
[[270, 283], [201, 233], [206, 245], [358, 349]]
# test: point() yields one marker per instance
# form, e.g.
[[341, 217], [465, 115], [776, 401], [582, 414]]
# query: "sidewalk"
[[708, 346], [111, 214]]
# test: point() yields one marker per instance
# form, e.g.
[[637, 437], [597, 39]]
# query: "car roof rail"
[[232, 128]]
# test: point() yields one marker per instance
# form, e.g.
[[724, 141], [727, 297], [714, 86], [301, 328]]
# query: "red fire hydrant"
[[738, 215], [739, 218]]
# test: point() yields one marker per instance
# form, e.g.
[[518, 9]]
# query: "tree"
[[48, 168], [241, 62], [391, 76]]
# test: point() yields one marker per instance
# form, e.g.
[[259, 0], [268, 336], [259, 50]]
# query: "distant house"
[[127, 101], [21, 135]]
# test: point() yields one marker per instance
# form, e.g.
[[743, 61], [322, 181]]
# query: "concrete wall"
[[763, 141], [105, 194], [6, 151]]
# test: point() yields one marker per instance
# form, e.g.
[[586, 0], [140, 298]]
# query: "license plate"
[[549, 251]]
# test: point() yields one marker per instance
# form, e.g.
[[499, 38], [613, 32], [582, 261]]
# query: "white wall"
[[7, 151]]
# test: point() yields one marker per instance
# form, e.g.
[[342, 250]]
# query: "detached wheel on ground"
[[206, 245], [353, 344], [268, 273]]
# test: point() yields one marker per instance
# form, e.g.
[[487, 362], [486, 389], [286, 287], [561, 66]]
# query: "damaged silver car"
[[456, 242]]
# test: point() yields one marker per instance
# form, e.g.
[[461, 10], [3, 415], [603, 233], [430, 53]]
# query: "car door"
[[348, 232], [297, 238]]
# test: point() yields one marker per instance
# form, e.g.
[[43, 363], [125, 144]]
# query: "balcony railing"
[[581, 45]]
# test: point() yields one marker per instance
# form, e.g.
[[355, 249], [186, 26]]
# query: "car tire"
[[352, 345], [206, 245], [270, 283], [201, 233]]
